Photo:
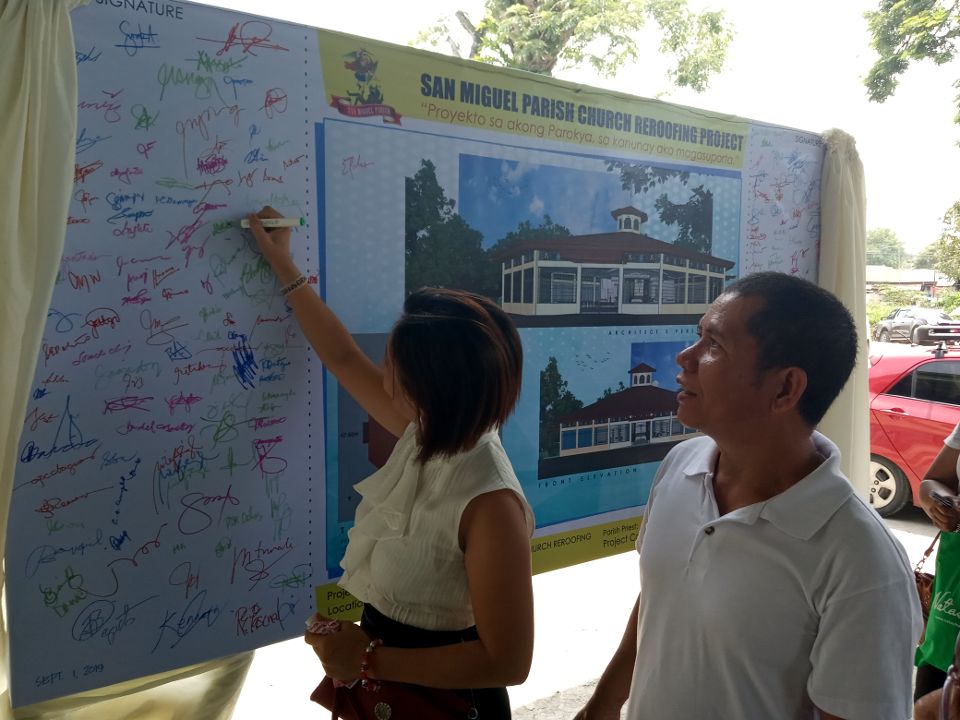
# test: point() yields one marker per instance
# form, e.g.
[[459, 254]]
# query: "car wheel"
[[915, 336], [884, 336], [889, 489]]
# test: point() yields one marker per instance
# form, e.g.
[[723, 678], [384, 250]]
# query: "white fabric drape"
[[843, 244], [38, 95]]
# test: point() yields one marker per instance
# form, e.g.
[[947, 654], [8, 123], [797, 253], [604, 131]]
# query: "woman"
[[439, 552], [938, 498]]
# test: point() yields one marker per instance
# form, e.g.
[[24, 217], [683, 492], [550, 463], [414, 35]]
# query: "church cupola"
[[629, 219]]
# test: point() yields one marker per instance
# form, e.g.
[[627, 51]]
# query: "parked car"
[[914, 405], [917, 325]]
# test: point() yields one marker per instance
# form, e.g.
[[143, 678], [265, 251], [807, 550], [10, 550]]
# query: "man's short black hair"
[[799, 324]]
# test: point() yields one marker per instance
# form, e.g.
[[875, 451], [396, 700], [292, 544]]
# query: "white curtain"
[[38, 97], [843, 244]]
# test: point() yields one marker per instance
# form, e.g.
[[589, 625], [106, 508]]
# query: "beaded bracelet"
[[365, 680], [293, 286]]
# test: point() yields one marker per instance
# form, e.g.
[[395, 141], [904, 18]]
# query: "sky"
[[794, 64]]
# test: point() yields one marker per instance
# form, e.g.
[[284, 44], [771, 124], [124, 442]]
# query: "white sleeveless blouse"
[[403, 555]]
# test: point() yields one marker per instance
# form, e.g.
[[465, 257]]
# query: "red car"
[[914, 405]]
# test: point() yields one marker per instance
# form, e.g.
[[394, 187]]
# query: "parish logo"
[[366, 99]]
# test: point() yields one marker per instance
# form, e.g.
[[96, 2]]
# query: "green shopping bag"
[[943, 625]]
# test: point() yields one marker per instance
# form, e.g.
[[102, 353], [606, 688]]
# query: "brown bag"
[[925, 584], [392, 701]]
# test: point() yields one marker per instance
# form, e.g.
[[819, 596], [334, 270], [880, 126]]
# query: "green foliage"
[[694, 218], [949, 300], [535, 35], [546, 230], [877, 311], [885, 248], [441, 248], [608, 391], [948, 245], [637, 178], [899, 297], [905, 31], [926, 258], [555, 402]]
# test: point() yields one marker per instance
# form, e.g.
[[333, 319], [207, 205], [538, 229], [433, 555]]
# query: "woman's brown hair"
[[458, 358]]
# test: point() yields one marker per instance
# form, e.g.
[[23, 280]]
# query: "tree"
[[904, 31], [926, 258], [546, 230], [608, 391], [638, 178], [426, 205], [694, 218], [948, 246], [441, 249], [555, 402], [885, 248], [536, 35]]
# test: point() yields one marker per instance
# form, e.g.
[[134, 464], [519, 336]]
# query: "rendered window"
[[585, 437], [641, 287], [697, 291], [599, 289], [528, 285], [716, 287], [662, 428], [557, 286], [674, 288], [620, 433]]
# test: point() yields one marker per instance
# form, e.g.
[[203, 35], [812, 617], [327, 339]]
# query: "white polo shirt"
[[805, 600]]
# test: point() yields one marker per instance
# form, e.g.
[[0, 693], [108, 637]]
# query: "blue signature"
[[74, 438], [97, 618], [187, 620], [92, 56], [133, 42], [84, 143], [43, 554]]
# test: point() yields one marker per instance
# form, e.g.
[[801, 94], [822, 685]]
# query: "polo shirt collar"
[[802, 509]]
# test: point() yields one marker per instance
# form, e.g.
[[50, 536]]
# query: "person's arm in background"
[[331, 341], [613, 687], [941, 478]]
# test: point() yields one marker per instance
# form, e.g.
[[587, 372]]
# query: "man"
[[769, 589]]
